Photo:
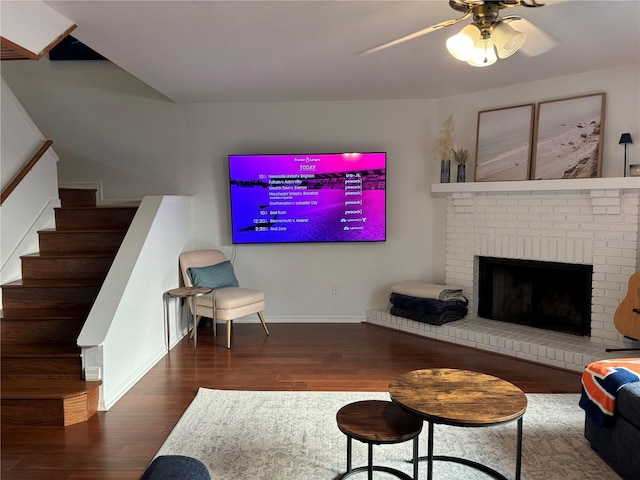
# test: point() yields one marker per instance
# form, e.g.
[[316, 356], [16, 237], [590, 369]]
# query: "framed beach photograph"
[[503, 143], [569, 137]]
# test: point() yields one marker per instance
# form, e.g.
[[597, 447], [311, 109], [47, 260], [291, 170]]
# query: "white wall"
[[116, 130], [30, 206], [20, 137], [106, 125], [110, 127], [622, 112], [298, 278], [124, 335]]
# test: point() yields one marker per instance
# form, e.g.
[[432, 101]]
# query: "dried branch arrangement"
[[446, 139]]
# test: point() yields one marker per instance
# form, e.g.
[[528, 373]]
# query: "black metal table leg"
[[519, 450], [430, 451], [415, 457], [430, 458]]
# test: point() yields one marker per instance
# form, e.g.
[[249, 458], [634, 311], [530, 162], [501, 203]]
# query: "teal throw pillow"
[[220, 275]]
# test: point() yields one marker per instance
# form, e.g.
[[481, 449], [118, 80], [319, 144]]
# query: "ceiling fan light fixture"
[[461, 45], [507, 39], [484, 54]]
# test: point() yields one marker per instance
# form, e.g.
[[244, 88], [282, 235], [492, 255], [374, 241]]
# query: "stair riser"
[[94, 218], [31, 296], [50, 412], [77, 197], [80, 242], [43, 367], [40, 331], [50, 268], [33, 412], [48, 297]]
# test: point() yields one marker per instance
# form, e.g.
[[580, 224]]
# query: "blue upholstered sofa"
[[618, 443], [176, 467]]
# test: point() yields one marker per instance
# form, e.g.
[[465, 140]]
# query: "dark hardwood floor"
[[118, 444]]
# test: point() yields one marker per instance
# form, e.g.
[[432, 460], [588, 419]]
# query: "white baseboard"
[[302, 319], [108, 401]]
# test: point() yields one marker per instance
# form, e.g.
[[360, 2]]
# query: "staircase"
[[44, 312]]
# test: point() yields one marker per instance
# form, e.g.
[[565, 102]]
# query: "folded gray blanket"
[[414, 288]]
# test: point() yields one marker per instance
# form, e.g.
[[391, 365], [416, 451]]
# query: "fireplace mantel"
[[613, 183]]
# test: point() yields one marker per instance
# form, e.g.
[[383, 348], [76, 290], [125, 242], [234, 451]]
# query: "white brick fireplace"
[[581, 221]]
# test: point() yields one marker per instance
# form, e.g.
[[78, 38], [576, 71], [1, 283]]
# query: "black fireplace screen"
[[547, 295]]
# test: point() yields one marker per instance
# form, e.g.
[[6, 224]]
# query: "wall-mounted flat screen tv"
[[329, 197]]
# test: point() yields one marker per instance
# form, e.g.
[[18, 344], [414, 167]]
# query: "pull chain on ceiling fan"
[[484, 40]]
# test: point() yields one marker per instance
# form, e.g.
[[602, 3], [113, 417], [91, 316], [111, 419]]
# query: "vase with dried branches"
[[444, 147], [460, 156]]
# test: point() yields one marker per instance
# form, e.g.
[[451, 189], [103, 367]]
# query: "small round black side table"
[[378, 422], [183, 292]]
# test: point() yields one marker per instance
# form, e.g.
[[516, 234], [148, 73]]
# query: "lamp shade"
[[625, 138], [507, 39], [483, 54], [461, 45]]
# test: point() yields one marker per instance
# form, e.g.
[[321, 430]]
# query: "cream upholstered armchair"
[[210, 268]]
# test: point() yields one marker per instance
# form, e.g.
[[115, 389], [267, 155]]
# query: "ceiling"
[[209, 51]]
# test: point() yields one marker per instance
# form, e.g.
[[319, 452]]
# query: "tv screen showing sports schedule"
[[335, 197]]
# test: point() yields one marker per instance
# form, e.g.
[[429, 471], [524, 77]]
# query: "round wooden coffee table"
[[460, 398]]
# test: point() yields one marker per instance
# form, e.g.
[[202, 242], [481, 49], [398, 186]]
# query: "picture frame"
[[569, 138], [503, 143]]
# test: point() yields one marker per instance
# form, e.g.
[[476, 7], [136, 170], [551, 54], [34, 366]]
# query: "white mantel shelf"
[[613, 183]]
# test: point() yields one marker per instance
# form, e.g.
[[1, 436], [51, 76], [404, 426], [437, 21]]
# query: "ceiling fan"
[[488, 36]]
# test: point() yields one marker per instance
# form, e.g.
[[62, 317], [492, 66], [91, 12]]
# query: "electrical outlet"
[[335, 290]]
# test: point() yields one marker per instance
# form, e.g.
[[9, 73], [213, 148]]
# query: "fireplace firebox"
[[547, 295]]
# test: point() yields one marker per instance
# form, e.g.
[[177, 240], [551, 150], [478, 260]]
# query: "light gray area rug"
[[293, 435]]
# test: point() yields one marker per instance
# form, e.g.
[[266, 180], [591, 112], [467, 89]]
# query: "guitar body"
[[627, 316]]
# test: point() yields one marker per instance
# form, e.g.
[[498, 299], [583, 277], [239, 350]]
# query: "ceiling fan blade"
[[538, 41], [541, 3], [417, 34]]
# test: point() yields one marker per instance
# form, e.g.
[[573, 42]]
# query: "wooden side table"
[[378, 422], [183, 292]]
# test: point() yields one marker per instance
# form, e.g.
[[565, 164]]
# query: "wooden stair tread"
[[26, 389], [74, 255], [53, 231], [55, 282], [39, 350], [103, 207]]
